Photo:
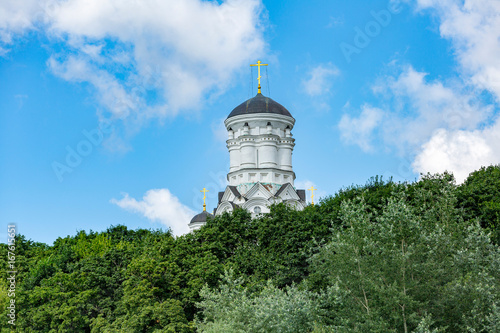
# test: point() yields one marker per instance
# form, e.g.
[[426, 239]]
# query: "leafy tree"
[[479, 196], [275, 245], [284, 239], [376, 192], [378, 257], [232, 308], [407, 267]]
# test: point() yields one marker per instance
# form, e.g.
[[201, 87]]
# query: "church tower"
[[260, 145]]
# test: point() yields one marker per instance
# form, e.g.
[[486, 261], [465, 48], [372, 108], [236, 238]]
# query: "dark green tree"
[[479, 196]]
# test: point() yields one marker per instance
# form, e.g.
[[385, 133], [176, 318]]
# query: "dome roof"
[[202, 217], [259, 104]]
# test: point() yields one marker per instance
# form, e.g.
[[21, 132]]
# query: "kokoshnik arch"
[[260, 145]]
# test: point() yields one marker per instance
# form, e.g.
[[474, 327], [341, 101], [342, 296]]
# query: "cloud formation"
[[319, 79], [359, 131], [413, 108], [179, 51], [473, 27], [420, 106], [16, 16], [438, 124], [159, 205], [460, 151], [442, 124]]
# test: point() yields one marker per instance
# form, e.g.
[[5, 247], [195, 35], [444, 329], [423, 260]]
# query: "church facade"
[[260, 146]]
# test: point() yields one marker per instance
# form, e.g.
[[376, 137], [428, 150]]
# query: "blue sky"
[[111, 111]]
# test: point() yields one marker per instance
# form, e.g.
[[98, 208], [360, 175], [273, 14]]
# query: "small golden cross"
[[204, 197], [312, 189], [258, 64]]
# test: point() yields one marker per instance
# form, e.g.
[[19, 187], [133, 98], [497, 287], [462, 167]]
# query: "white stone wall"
[[260, 148]]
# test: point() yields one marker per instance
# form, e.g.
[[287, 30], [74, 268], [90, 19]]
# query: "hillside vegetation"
[[382, 257]]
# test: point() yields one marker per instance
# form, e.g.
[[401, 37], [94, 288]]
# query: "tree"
[[232, 308], [414, 264], [479, 196], [380, 257]]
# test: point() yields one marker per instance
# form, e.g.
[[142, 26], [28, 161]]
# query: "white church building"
[[260, 145]]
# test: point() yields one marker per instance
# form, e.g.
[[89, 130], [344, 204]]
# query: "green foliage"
[[405, 262], [479, 196], [276, 245], [387, 272], [382, 257], [232, 308], [92, 245], [376, 192]]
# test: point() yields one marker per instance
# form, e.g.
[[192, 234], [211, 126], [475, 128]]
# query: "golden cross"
[[204, 197], [258, 64], [312, 189]]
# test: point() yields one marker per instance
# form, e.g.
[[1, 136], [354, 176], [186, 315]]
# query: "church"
[[260, 146]]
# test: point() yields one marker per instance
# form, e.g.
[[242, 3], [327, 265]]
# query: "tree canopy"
[[379, 257]]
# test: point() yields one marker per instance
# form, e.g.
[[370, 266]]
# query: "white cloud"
[[159, 205], [179, 51], [444, 125], [420, 107], [319, 79], [436, 122], [110, 93], [473, 26], [413, 108], [17, 16], [193, 46], [460, 152], [360, 130]]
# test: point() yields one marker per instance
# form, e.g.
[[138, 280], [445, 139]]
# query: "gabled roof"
[[235, 191], [287, 192], [258, 190], [282, 188], [229, 194]]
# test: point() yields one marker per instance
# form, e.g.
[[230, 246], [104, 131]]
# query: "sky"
[[111, 111]]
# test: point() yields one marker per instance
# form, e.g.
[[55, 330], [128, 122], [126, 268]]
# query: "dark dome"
[[259, 104], [202, 217]]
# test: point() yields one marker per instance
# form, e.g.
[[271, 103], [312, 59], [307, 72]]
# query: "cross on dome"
[[258, 64], [204, 197]]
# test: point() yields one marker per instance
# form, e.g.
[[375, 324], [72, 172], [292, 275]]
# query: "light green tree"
[[415, 267], [232, 308]]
